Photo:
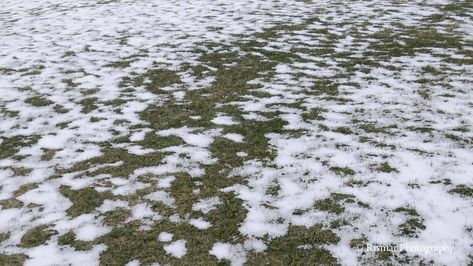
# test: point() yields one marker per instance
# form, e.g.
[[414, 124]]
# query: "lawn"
[[236, 132]]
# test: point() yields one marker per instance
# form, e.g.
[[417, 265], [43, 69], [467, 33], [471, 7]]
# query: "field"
[[238, 132]]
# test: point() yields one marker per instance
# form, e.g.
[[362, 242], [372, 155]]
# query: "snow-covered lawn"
[[244, 132]]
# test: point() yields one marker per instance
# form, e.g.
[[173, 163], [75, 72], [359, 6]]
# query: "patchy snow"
[[350, 95]]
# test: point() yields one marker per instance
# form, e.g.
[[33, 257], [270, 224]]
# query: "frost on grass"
[[247, 132]]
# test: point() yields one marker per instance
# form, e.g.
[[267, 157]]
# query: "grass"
[[11, 145], [116, 217], [120, 64], [334, 204], [413, 224], [158, 78], [60, 109], [83, 200], [325, 86], [38, 101], [386, 168], [273, 190], [20, 171], [24, 188], [462, 190], [342, 170], [11, 203], [48, 154], [36, 236], [126, 242], [285, 250], [88, 104], [69, 239], [314, 114], [411, 227], [343, 130], [372, 128], [234, 67], [409, 211], [12, 260]]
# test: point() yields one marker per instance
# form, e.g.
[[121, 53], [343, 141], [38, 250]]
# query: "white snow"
[[64, 52], [234, 253], [234, 137], [177, 248], [200, 223], [165, 237], [206, 205], [133, 263], [224, 120]]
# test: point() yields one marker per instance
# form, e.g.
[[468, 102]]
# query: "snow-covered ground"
[[247, 132]]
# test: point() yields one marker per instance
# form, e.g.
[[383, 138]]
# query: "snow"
[[133, 263], [203, 139], [200, 223], [234, 253], [234, 137], [90, 232], [165, 237], [166, 182], [162, 197], [143, 210], [177, 248], [52, 254], [206, 205], [63, 51], [224, 120]]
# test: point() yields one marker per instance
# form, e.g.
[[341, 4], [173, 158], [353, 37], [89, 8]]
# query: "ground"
[[235, 132]]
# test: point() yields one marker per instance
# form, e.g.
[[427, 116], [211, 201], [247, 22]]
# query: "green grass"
[[334, 203], [12, 260], [372, 128], [411, 227], [88, 104], [233, 66], [273, 190], [462, 190], [158, 78], [11, 145], [343, 130], [325, 87], [285, 250], [314, 114], [36, 236], [38, 101], [342, 170], [386, 168], [69, 239], [120, 64], [83, 200], [11, 203], [413, 224]]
